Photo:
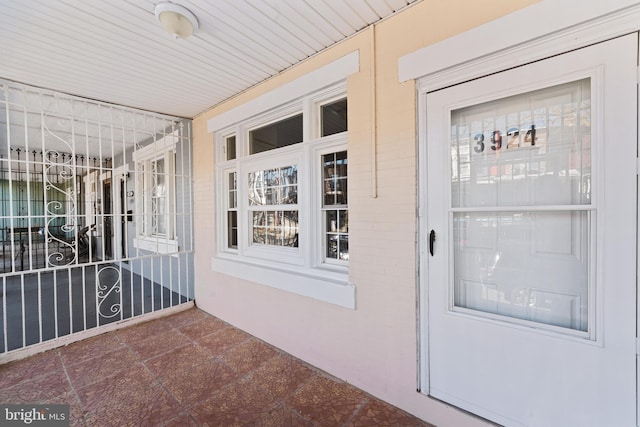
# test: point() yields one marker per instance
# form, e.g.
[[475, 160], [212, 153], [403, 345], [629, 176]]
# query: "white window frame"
[[165, 149], [276, 159], [318, 180], [229, 208], [303, 270]]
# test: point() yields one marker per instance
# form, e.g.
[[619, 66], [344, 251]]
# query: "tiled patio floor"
[[189, 369]]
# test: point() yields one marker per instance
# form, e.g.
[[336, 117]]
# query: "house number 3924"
[[512, 137]]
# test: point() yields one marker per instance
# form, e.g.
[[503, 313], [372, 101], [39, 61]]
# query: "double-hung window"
[[155, 201], [282, 182]]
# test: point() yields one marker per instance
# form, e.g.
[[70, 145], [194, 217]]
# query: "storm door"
[[530, 241]]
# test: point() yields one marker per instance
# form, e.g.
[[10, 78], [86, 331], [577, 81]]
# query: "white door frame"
[[554, 28]]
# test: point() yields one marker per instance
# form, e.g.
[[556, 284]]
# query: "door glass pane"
[[528, 149], [528, 265], [520, 152]]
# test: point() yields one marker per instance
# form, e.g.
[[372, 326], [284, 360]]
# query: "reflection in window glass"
[[334, 169], [274, 187], [276, 135], [277, 186], [334, 117], [276, 228]]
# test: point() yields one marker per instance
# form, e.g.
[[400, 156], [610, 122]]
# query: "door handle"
[[432, 240]]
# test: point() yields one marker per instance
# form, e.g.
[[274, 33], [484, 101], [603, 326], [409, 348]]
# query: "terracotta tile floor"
[[189, 369]]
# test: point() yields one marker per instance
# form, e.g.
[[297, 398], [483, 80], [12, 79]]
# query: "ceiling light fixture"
[[176, 20]]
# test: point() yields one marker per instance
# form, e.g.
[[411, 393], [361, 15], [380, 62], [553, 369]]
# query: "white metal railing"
[[69, 215]]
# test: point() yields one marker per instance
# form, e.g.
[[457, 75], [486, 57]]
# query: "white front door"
[[530, 273]]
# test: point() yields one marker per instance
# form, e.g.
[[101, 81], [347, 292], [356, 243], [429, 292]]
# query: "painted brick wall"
[[374, 346]]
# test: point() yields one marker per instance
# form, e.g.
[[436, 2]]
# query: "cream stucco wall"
[[374, 346]]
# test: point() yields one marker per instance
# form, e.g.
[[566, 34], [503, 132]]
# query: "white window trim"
[[162, 148], [324, 76], [301, 270], [328, 287]]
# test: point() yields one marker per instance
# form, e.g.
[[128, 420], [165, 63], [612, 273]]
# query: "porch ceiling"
[[116, 51]]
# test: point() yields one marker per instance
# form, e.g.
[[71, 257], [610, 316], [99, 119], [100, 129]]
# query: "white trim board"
[[535, 32], [325, 289], [324, 76]]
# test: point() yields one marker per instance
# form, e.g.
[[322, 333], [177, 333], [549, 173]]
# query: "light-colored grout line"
[[83, 412], [357, 410], [154, 377]]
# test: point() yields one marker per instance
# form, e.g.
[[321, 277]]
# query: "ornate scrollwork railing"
[[109, 287]]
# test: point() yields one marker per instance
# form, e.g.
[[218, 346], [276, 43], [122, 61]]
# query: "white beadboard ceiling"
[[115, 50]]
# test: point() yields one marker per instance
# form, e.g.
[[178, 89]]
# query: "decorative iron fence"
[[95, 214]]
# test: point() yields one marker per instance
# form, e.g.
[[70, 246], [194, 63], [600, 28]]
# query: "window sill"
[[156, 245], [323, 285]]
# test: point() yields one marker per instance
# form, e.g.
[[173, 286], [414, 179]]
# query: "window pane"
[[276, 135], [277, 186], [332, 246], [231, 147], [159, 188], [343, 221], [332, 221], [159, 166], [158, 216], [337, 234], [232, 229], [334, 117], [276, 228], [233, 191], [334, 167], [343, 253], [162, 216]]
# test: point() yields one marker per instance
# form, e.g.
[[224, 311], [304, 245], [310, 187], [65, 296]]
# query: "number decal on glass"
[[479, 139], [512, 139], [496, 140], [530, 136]]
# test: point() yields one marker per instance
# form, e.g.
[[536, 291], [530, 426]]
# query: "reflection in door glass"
[[529, 149], [527, 265], [529, 154]]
